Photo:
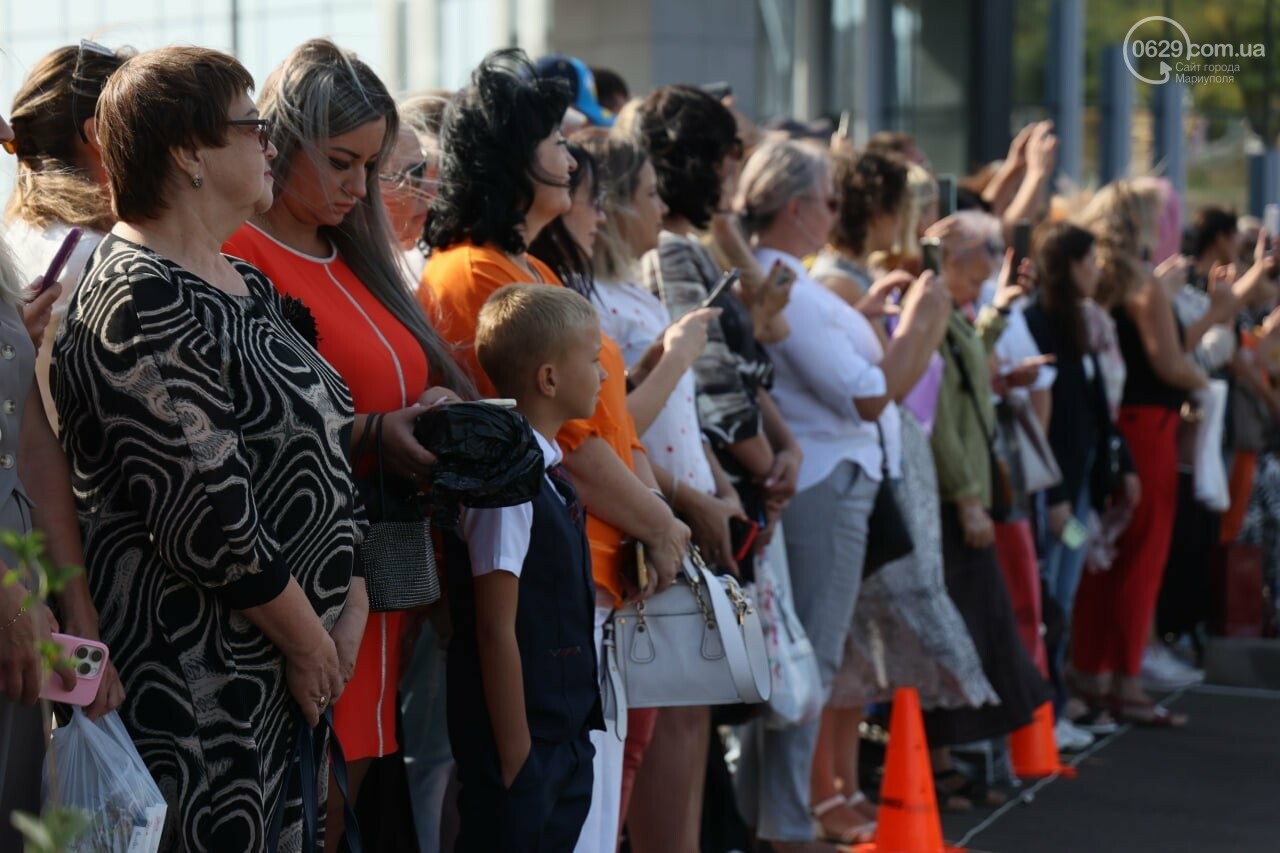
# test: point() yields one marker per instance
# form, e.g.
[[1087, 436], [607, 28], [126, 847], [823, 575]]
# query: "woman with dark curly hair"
[[692, 142], [504, 177], [873, 196]]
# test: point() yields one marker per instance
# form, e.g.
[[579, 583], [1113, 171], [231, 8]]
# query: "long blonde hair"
[[1124, 217], [618, 165]]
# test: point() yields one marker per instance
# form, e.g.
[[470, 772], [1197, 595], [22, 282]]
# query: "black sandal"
[[953, 783]]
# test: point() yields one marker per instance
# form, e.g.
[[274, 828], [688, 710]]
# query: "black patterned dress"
[[207, 442]]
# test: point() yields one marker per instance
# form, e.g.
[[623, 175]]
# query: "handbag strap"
[[741, 647], [884, 452], [616, 691], [308, 773], [970, 390]]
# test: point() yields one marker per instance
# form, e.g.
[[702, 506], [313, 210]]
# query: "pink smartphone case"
[[89, 659]]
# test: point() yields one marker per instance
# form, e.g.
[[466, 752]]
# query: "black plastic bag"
[[486, 456]]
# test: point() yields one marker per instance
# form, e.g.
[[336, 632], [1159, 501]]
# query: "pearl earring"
[[197, 182]]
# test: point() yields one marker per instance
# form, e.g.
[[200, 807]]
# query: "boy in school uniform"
[[523, 689]]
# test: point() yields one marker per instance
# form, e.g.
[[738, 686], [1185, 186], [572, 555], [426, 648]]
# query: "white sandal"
[[859, 834]]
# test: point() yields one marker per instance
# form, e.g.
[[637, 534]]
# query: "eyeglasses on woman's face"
[[413, 179], [262, 124]]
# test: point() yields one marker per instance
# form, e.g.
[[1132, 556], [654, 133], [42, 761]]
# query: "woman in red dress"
[[326, 242]]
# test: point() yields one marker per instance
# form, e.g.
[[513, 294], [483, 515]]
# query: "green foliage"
[[53, 831], [57, 826], [1108, 21]]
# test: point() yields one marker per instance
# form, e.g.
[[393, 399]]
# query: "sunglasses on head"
[[80, 82]]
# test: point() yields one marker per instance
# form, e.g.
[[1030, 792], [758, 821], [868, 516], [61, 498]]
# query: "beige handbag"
[[1040, 469]]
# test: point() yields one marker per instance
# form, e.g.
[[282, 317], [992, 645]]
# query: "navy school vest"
[[555, 628]]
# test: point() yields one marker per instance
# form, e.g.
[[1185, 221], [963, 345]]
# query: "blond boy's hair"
[[524, 325]]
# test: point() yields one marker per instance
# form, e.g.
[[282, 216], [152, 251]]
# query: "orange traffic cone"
[[908, 819], [1034, 750]]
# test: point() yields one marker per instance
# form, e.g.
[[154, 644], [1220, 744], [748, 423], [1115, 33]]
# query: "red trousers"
[[1016, 551], [640, 723], [1114, 608]]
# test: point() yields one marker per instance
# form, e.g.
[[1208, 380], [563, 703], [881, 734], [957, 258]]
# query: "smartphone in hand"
[[60, 259], [946, 195], [931, 254], [780, 275], [726, 281]]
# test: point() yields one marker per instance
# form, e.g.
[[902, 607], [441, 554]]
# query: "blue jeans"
[[1060, 576]]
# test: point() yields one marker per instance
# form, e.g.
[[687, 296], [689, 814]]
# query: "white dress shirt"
[[498, 538], [830, 358]]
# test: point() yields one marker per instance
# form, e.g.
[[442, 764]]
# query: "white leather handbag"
[[698, 642]]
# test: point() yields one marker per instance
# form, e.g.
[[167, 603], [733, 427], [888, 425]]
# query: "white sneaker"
[[1162, 670], [1069, 737]]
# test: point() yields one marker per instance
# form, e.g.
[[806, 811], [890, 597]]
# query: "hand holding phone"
[[87, 659], [1021, 244]]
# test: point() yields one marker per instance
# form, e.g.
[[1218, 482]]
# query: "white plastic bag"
[[797, 685], [101, 773], [1210, 477]]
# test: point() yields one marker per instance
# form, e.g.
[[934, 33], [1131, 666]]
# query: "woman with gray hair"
[[835, 385], [327, 243], [973, 484]]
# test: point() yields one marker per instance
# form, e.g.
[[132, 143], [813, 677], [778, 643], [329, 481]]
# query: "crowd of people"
[[268, 286]]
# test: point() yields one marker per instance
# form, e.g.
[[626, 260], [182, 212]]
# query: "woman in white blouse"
[[834, 384], [666, 806]]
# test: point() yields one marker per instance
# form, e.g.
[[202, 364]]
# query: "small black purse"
[[397, 555], [888, 538]]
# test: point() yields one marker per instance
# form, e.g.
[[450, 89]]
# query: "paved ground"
[[1213, 786]]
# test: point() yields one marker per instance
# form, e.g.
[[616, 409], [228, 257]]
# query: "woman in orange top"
[[327, 243], [504, 176]]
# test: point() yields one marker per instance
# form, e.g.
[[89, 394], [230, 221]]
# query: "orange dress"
[[455, 284], [386, 369]]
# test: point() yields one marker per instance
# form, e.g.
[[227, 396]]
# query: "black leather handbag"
[[888, 537]]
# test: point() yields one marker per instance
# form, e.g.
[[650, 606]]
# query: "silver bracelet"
[[21, 612]]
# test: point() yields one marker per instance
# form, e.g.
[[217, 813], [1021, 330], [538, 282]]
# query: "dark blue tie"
[[560, 479]]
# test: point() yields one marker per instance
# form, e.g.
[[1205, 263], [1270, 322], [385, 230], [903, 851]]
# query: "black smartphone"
[[726, 281], [1021, 241], [946, 195], [1192, 278], [931, 254]]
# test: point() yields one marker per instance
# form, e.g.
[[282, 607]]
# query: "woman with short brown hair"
[[209, 450]]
